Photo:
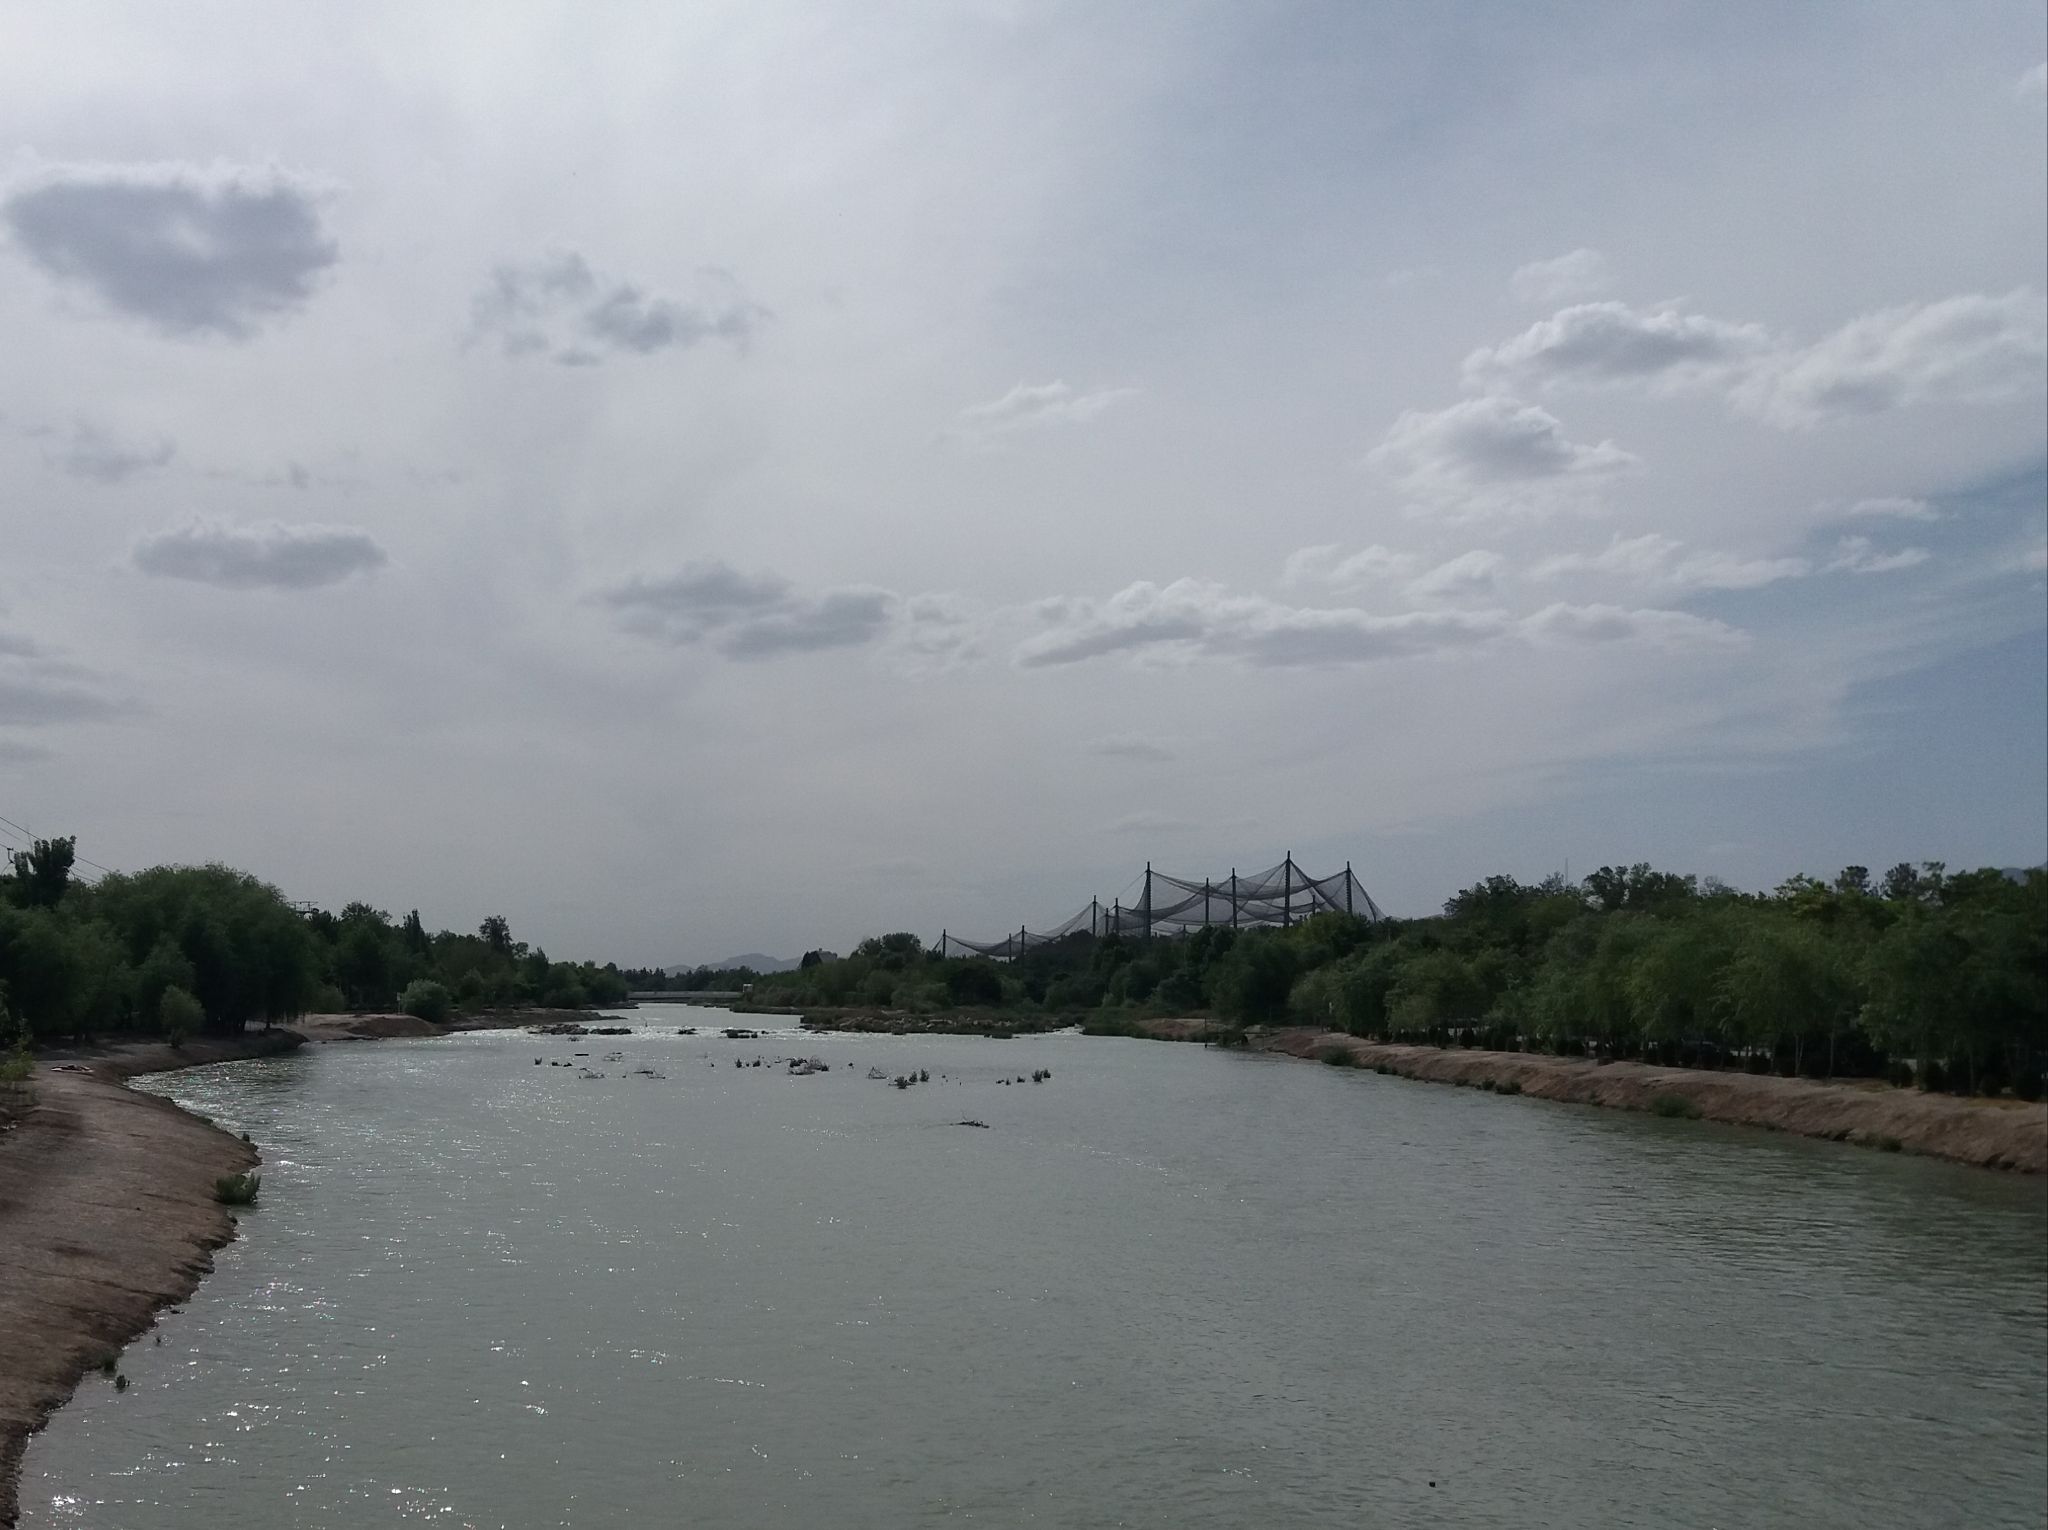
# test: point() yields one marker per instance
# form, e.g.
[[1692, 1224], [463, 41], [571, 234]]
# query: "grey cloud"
[[13, 752], [2033, 85], [1131, 746], [262, 555], [38, 689], [560, 307], [1032, 405], [1595, 343], [188, 251], [749, 616], [1148, 823], [89, 452], [1490, 453], [1578, 273]]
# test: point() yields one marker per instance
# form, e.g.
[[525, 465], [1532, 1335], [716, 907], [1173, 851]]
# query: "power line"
[[32, 837]]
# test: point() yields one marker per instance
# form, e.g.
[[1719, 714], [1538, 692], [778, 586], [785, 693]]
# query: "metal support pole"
[[1148, 900], [1287, 892], [1233, 897], [1348, 880], [1094, 916], [942, 945], [1205, 903]]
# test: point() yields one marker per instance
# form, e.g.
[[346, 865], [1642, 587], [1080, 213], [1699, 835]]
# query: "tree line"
[[1921, 975], [182, 950]]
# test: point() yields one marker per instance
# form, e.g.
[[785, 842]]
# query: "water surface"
[[1170, 1287]]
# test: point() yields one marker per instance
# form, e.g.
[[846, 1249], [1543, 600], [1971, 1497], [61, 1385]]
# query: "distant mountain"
[[754, 959]]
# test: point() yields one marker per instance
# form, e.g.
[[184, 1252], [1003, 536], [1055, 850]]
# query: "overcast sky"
[[743, 476]]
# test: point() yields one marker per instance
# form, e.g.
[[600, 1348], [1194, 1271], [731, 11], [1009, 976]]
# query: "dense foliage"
[[180, 949], [1923, 975]]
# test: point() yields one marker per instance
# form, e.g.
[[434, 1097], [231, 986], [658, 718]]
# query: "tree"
[[179, 1016], [425, 999], [496, 931], [43, 871]]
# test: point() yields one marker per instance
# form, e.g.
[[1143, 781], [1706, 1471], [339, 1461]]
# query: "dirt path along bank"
[[1993, 1134]]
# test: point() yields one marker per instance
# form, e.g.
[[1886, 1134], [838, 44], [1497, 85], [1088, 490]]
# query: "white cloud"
[[1964, 349], [1194, 619], [1969, 348], [1328, 564], [1563, 623], [189, 251], [559, 307], [1652, 559], [1894, 508], [1468, 576], [1642, 558], [1576, 274], [1595, 344], [1030, 406], [1859, 555], [260, 555], [1490, 453]]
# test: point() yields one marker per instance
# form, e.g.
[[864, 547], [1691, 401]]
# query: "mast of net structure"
[[1287, 892], [1148, 900]]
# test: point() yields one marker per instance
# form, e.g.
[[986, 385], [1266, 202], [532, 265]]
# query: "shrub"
[[426, 1000], [1339, 1057], [1890, 1145], [237, 1189], [1511, 1086], [178, 1015], [1677, 1107]]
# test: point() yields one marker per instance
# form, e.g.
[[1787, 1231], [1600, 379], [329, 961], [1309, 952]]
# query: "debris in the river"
[[982, 1124]]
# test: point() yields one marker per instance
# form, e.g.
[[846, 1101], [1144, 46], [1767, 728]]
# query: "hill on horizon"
[[756, 960]]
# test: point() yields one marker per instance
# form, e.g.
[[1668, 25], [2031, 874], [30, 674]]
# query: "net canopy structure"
[[1170, 905]]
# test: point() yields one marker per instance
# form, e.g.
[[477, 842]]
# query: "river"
[[1167, 1287]]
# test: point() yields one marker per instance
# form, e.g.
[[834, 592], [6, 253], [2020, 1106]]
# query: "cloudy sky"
[[741, 476]]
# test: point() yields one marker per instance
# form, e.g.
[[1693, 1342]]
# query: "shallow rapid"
[[1166, 1287]]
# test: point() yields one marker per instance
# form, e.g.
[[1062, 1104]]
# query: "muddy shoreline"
[[107, 1212], [1990, 1134]]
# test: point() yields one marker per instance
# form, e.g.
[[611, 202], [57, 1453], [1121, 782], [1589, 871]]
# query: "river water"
[[1168, 1287]]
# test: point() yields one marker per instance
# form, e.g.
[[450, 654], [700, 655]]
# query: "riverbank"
[[107, 1211], [106, 1215], [1991, 1134]]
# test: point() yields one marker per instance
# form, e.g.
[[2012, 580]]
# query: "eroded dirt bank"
[[106, 1214], [1993, 1134]]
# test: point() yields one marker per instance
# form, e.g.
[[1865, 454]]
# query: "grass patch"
[[1511, 1086], [237, 1189], [1339, 1057], [1675, 1107]]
